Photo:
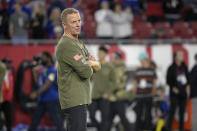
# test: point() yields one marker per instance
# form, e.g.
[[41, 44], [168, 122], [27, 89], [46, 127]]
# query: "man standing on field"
[[75, 67]]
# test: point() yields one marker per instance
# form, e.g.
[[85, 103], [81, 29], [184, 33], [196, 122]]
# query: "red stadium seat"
[[182, 30], [194, 28], [90, 30], [142, 30], [162, 24]]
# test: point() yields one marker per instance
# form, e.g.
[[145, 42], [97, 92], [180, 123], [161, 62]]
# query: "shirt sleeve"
[[77, 62], [51, 75]]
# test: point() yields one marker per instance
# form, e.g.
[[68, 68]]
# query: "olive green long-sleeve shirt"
[[103, 81], [120, 92], [2, 75], [73, 73]]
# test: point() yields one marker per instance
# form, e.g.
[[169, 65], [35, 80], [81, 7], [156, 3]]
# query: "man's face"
[[101, 55], [144, 62], [72, 24], [44, 60]]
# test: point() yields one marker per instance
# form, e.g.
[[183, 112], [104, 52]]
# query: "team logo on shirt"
[[51, 77], [78, 57]]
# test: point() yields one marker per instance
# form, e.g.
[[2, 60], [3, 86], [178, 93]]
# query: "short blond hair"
[[68, 11]]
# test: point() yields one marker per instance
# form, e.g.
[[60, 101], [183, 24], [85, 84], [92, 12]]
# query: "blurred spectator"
[[104, 83], [162, 109], [144, 90], [61, 4], [18, 27], [53, 21], [172, 10], [158, 37], [33, 3], [23, 6], [177, 79], [133, 4], [58, 32], [111, 3], [4, 20], [37, 22], [7, 90], [193, 84], [47, 93], [119, 95], [103, 19], [122, 22], [191, 13], [154, 10]]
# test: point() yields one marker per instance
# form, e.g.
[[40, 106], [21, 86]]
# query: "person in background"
[[37, 22], [161, 110], [121, 22], [119, 95], [24, 8], [158, 37], [193, 84], [177, 79], [58, 32], [103, 85], [18, 26], [47, 93], [144, 89], [4, 20], [133, 4], [60, 4], [172, 10], [53, 21], [103, 19], [7, 91], [191, 12]]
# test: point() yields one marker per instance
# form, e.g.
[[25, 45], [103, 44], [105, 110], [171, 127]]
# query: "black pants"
[[181, 104], [119, 108], [104, 106], [76, 118], [6, 108], [143, 111], [52, 109]]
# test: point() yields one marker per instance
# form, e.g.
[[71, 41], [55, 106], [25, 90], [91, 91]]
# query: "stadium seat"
[[142, 30], [182, 30], [193, 26], [90, 30]]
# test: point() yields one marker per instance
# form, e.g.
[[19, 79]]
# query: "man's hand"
[[175, 90], [94, 64], [34, 95]]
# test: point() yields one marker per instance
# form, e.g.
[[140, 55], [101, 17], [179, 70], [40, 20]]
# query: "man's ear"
[[64, 25]]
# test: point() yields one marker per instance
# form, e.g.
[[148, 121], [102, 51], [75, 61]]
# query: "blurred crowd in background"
[[21, 20]]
